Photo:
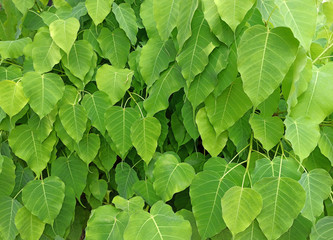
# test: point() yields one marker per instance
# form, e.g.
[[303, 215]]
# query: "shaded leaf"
[[8, 210], [126, 177], [127, 20]]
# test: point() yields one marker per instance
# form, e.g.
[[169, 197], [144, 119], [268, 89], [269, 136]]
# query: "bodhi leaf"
[[125, 178], [13, 49], [303, 135], [131, 206], [44, 198], [165, 15], [300, 229], [144, 188], [170, 81], [43, 91], [240, 206], [161, 222], [323, 229], [12, 98], [64, 32], [283, 199], [317, 185], [24, 5], [88, 147], [118, 123], [264, 58], [268, 130], [7, 176], [171, 176], [98, 9], [28, 225], [326, 143], [114, 81], [144, 134], [8, 210], [147, 17], [253, 232], [233, 12]]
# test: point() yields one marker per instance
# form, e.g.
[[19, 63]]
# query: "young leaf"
[[28, 225], [44, 198], [88, 147], [98, 9], [131, 206], [13, 49], [263, 53], [125, 178], [8, 210], [23, 6], [144, 135]]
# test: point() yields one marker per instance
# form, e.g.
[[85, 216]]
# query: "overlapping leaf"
[[8, 210], [127, 20], [28, 225], [98, 9], [12, 98]]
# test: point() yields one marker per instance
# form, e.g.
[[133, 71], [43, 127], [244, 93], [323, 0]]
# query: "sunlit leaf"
[[98, 9], [28, 225]]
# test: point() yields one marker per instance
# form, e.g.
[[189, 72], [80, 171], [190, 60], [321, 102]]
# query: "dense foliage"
[[164, 119]]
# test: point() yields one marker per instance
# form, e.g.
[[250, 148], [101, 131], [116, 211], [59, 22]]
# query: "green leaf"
[[28, 225], [73, 119], [13, 49], [88, 147], [270, 12], [270, 105], [268, 130], [96, 104], [233, 12], [326, 143], [154, 58], [115, 46], [64, 32], [127, 20], [299, 230], [118, 123], [44, 198], [317, 185], [114, 81], [98, 9], [78, 61], [170, 81], [212, 142], [165, 15], [144, 188], [8, 210], [43, 91], [194, 56], [147, 17], [106, 222], [161, 222], [240, 206], [303, 135], [98, 189], [226, 109], [253, 232], [10, 73], [7, 176], [144, 134], [262, 54], [323, 229], [301, 21], [72, 171], [188, 215], [283, 199], [23, 6], [131, 206], [188, 116], [240, 132], [126, 177], [171, 176], [12, 98]]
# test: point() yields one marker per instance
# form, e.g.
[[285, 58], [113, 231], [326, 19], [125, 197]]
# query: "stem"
[[322, 53], [136, 103], [248, 160]]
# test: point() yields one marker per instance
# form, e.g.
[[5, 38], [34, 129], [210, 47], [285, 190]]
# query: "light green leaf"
[[170, 81], [10, 73], [302, 21], [144, 134], [234, 11], [44, 198], [74, 119], [64, 32], [171, 176], [8, 210], [326, 143], [314, 103], [161, 222], [127, 20], [299, 230], [144, 188], [88, 147], [264, 58], [98, 9], [43, 91], [125, 178], [194, 56], [146, 10], [226, 109], [72, 171], [317, 185], [240, 206], [12, 98], [13, 49], [165, 15], [154, 58], [118, 123], [131, 206], [270, 12], [268, 130], [28, 225], [7, 176], [303, 135], [185, 16], [323, 229], [106, 222], [253, 232], [23, 5], [283, 199], [114, 81], [240, 132], [96, 105], [115, 46], [212, 142], [67, 140], [78, 61]]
